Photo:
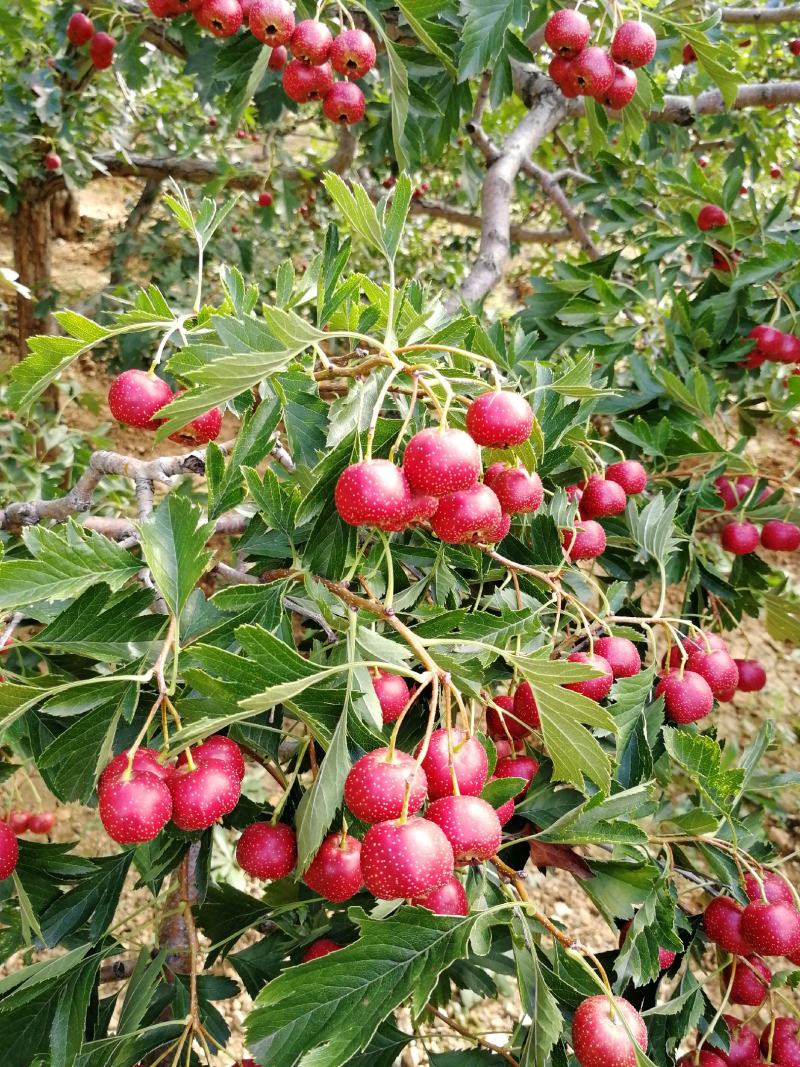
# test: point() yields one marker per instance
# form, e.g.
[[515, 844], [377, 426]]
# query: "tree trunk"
[[65, 216], [32, 235]]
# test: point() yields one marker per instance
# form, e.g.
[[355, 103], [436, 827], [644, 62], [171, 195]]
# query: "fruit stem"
[[412, 403], [387, 555], [496, 1049], [721, 1009], [427, 678], [376, 410]]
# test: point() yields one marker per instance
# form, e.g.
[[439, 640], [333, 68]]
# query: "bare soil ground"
[[81, 271]]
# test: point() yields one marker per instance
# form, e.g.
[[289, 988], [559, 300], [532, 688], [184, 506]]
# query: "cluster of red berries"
[[308, 76], [18, 822], [779, 1044], [768, 926], [743, 537], [81, 31], [440, 478], [135, 396], [601, 496], [772, 346], [579, 70], [138, 794]]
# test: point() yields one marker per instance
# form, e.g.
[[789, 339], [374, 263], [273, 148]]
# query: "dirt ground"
[[81, 271]]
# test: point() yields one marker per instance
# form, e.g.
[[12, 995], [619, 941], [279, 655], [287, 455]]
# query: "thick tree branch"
[[682, 110], [553, 190], [520, 234], [547, 111], [760, 15]]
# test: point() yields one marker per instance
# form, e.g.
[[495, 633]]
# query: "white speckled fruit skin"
[[202, 796], [621, 655], [267, 852], [634, 44], [374, 789], [441, 461], [335, 872], [405, 859], [630, 474], [372, 493], [602, 498], [469, 515], [722, 923], [521, 766], [135, 397], [718, 668], [135, 810], [220, 749], [747, 987], [771, 929], [686, 698], [588, 541], [144, 759], [448, 899], [393, 694], [599, 1038], [593, 688], [470, 762], [470, 824], [519, 493], [9, 850], [499, 419]]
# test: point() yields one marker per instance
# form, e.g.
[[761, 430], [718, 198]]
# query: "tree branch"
[[520, 234], [553, 190], [759, 15]]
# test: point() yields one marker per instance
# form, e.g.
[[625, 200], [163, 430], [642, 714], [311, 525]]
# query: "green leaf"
[[322, 800], [601, 820], [653, 527], [782, 617], [96, 895], [418, 24], [65, 563], [253, 441], [69, 1022], [173, 540], [701, 759], [575, 751], [482, 37], [277, 504], [547, 1022], [104, 627], [329, 1009], [717, 59], [139, 991], [72, 763], [358, 210]]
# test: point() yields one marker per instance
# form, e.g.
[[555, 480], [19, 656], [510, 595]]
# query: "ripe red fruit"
[[634, 44], [203, 795], [586, 540], [525, 706], [311, 41], [794, 46], [265, 199], [272, 22], [144, 759], [344, 104], [376, 785], [593, 688], [519, 493], [200, 431], [80, 29], [101, 50], [594, 71], [688, 54], [567, 32], [135, 809], [722, 923], [468, 515], [9, 850], [499, 419], [405, 859], [438, 461], [470, 824], [193, 5], [719, 670], [622, 89], [779, 536], [711, 217], [352, 53], [223, 18], [630, 474], [665, 957], [18, 821], [135, 396], [687, 698], [768, 340], [335, 871], [303, 83], [752, 676], [505, 811], [52, 161], [470, 764], [783, 1040], [421, 508], [323, 946], [277, 58], [373, 492], [788, 350], [449, 899], [775, 171], [500, 725], [164, 9], [740, 538], [748, 987], [521, 766], [599, 1038], [393, 694], [703, 161], [621, 655], [219, 749], [743, 1045], [562, 72], [41, 822], [267, 852], [771, 929], [775, 889]]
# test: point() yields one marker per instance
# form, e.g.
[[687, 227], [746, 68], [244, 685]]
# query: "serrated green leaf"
[[321, 801], [173, 540]]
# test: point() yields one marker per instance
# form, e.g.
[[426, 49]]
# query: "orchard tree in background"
[[436, 597]]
